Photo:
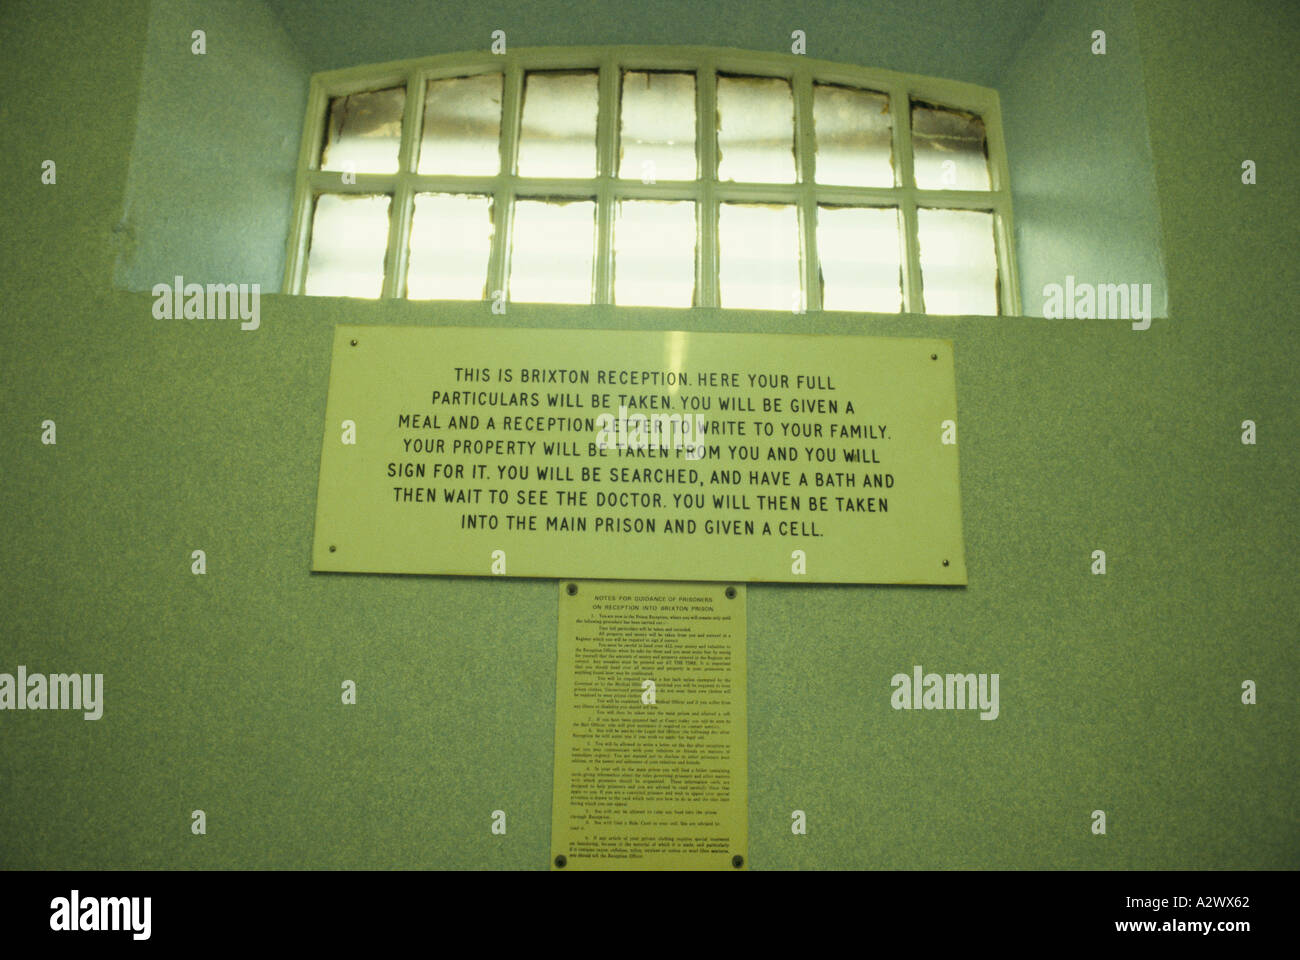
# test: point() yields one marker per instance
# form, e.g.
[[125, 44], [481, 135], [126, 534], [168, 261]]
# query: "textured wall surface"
[[1082, 178], [947, 38], [1118, 692], [209, 191]]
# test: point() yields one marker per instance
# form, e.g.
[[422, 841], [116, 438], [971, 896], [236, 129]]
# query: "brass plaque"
[[651, 746], [640, 456]]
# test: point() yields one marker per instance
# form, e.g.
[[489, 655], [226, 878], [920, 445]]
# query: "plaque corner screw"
[[354, 343], [945, 563], [737, 861], [731, 593], [572, 591], [560, 861], [333, 548]]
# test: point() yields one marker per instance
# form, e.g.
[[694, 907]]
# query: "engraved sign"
[[640, 455]]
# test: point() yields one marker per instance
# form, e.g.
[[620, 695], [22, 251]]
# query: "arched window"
[[647, 176]]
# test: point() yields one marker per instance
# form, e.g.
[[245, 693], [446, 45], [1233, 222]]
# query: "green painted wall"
[[948, 38], [1118, 692], [1082, 178], [210, 186]]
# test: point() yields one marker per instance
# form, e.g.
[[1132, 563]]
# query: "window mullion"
[[912, 301], [663, 190], [503, 199], [295, 273], [805, 155], [790, 193], [1004, 241], [399, 232], [331, 181], [304, 198], [606, 160], [434, 183], [958, 199], [706, 140], [401, 209], [901, 108], [1003, 225]]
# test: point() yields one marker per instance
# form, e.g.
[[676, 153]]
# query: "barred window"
[[644, 177]]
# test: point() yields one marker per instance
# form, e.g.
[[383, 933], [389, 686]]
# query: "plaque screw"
[[737, 861], [573, 592], [560, 861], [332, 548], [731, 593], [945, 563], [933, 356], [354, 343]]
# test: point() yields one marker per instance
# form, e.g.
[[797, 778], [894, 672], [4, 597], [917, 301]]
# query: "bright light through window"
[[648, 177], [958, 266], [551, 257], [451, 240], [861, 259], [759, 251], [348, 238], [654, 253]]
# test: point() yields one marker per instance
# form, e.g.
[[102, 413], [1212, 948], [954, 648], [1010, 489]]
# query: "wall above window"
[[958, 39]]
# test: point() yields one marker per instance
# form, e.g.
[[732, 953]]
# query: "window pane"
[[462, 127], [363, 132], [755, 130], [451, 237], [861, 258], [959, 267], [758, 247], [557, 135], [551, 257], [855, 140], [657, 139], [654, 253], [948, 149], [349, 235]]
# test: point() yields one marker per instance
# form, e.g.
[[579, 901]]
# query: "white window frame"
[[707, 192]]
